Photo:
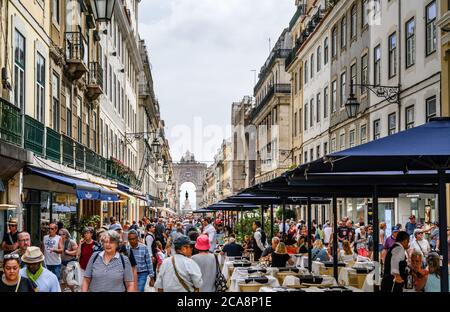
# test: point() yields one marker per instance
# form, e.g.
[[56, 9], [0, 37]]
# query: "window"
[[431, 108], [105, 75], [333, 96], [295, 124], [334, 42], [352, 138], [110, 84], [19, 69], [311, 113], [299, 121], [353, 78], [342, 142], [305, 119], [40, 88], [79, 120], [300, 82], [364, 72], [392, 123], [318, 152], [101, 138], [431, 12], [377, 65], [305, 160], [312, 65], [55, 11], [325, 51], [294, 86], [325, 102], [333, 145], [318, 107], [363, 134], [56, 106], [325, 148], [68, 111], [410, 117], [410, 43], [342, 90], [88, 127], [353, 21], [306, 72], [319, 58], [392, 55], [376, 129], [344, 32], [365, 13]]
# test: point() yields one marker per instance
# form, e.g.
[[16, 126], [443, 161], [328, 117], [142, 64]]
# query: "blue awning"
[[84, 189]]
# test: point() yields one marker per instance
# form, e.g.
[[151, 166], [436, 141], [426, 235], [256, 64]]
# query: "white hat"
[[33, 255]]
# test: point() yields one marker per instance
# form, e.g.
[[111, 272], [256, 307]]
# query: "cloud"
[[202, 52]]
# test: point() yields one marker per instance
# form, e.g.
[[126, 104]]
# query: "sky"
[[202, 54]]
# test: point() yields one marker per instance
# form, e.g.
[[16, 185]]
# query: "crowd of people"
[[182, 254]]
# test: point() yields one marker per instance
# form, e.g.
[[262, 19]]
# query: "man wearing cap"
[[420, 244], [45, 280], [390, 241], [411, 225], [180, 273], [9, 243]]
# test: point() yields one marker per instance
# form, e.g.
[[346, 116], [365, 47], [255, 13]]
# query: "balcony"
[[10, 123], [61, 149], [284, 88], [76, 54], [53, 150], [34, 135], [95, 81]]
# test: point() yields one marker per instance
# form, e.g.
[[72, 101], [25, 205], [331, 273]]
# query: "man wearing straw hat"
[[44, 280], [10, 243]]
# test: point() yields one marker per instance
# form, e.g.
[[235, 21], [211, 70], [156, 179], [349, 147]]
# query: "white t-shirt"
[[211, 232], [327, 234], [51, 243]]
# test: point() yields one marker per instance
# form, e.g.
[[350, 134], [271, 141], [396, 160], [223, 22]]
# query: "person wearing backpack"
[[259, 240], [119, 277]]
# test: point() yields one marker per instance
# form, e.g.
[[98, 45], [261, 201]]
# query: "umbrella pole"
[[335, 242], [242, 224], [443, 246], [237, 222], [262, 217], [309, 235], [376, 237], [271, 221], [282, 220]]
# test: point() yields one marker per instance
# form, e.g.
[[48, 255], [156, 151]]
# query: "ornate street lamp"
[[352, 104], [156, 147], [103, 9], [165, 167]]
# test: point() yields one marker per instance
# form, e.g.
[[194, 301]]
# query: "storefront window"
[[45, 204], [64, 209]]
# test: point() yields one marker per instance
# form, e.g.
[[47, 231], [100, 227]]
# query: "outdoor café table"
[[316, 265], [278, 289], [343, 275], [229, 264], [236, 279], [300, 260], [293, 280]]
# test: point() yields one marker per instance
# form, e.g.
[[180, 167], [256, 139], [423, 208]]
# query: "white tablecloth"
[[316, 265], [273, 282], [293, 280], [343, 275]]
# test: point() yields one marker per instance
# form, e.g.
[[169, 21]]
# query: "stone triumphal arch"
[[189, 170]]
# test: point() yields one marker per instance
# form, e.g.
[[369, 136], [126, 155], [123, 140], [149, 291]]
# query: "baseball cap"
[[181, 241], [395, 229], [417, 231], [115, 227]]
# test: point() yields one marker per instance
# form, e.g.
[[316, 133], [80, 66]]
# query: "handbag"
[[182, 282], [220, 282]]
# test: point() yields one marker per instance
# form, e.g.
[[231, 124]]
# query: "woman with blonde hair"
[[280, 256], [319, 253], [346, 254]]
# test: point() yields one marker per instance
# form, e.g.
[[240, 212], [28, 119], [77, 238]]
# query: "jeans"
[[55, 269], [142, 280]]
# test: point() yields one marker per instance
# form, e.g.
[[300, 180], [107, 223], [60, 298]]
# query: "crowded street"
[[246, 150]]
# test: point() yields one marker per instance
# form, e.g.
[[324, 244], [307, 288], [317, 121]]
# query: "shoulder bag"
[[182, 282], [221, 282]]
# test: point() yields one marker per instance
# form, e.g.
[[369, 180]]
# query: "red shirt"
[[86, 252]]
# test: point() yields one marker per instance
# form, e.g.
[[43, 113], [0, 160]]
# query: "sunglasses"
[[11, 256], [53, 229], [12, 225]]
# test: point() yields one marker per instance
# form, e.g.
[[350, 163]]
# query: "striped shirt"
[[143, 260]]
